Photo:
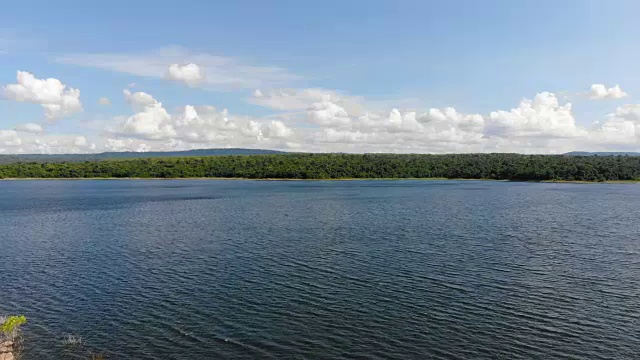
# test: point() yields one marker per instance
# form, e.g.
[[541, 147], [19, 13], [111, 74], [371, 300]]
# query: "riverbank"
[[320, 179]]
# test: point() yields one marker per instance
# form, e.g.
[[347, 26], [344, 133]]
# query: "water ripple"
[[322, 270]]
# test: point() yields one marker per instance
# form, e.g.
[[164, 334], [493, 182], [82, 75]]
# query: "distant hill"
[[603, 153], [8, 159]]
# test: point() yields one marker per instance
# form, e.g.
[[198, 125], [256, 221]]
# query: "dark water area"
[[323, 269]]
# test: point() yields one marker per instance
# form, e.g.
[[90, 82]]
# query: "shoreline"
[[340, 179]]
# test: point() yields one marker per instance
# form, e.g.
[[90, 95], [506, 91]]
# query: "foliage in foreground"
[[11, 338], [10, 335], [340, 166], [11, 326]]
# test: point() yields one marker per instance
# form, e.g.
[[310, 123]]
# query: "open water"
[[209, 269]]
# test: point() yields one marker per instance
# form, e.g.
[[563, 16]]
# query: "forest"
[[344, 166]]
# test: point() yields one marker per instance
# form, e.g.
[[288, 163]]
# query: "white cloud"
[[139, 100], [153, 122], [307, 99], [447, 126], [116, 144], [12, 142], [621, 127], [199, 126], [278, 130], [189, 74], [403, 122], [104, 101], [436, 130], [54, 96], [30, 128], [331, 123], [340, 136], [289, 99], [9, 138], [216, 72], [81, 143], [600, 92], [252, 129], [327, 113], [541, 117]]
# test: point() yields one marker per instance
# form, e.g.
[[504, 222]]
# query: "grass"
[[11, 334]]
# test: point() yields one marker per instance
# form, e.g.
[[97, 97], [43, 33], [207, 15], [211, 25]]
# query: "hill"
[[16, 158], [602, 153]]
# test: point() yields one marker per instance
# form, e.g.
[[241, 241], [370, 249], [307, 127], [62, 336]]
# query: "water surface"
[[323, 270]]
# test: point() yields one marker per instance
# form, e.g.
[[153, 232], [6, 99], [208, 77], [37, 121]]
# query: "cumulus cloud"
[[252, 129], [541, 117], [9, 138], [149, 124], [222, 72], [621, 127], [539, 125], [600, 92], [435, 130], [139, 100], [104, 101], [189, 74], [331, 123], [54, 96], [81, 144], [80, 141], [341, 136], [448, 126], [192, 126], [406, 122], [278, 130], [327, 113], [151, 120], [15, 142], [30, 128]]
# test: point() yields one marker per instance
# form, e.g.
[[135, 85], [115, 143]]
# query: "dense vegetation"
[[337, 166]]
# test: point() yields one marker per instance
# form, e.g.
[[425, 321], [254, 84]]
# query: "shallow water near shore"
[[144, 269]]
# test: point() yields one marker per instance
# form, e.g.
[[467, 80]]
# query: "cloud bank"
[[541, 124], [308, 119]]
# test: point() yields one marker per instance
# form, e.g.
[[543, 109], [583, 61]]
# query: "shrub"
[[11, 326]]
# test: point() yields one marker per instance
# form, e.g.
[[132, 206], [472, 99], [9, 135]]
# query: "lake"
[[207, 269]]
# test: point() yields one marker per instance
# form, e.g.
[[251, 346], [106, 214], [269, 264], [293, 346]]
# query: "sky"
[[458, 76]]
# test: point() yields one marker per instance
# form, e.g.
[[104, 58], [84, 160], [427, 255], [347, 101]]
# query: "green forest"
[[342, 166]]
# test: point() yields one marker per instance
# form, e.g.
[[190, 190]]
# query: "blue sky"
[[367, 57]]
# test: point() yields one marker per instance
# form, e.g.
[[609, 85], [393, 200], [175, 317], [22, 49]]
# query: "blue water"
[[322, 270]]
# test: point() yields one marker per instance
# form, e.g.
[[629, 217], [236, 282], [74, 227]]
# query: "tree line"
[[342, 166]]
